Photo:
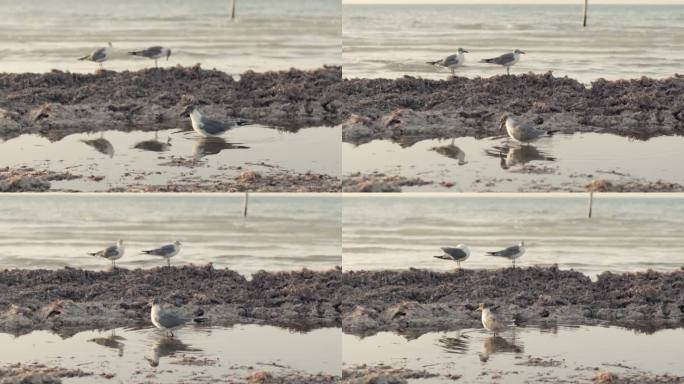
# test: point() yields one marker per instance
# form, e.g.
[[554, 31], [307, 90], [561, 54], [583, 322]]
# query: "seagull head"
[[178, 243], [518, 52], [190, 109], [109, 43], [464, 248], [168, 54], [481, 307], [155, 301], [461, 50], [522, 244], [119, 242]]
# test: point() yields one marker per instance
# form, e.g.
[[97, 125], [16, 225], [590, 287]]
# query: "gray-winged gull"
[[169, 320], [99, 55], [155, 53], [112, 253], [506, 60], [452, 61], [166, 251], [458, 254], [511, 253]]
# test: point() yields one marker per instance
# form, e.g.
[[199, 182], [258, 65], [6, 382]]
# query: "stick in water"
[[244, 210]]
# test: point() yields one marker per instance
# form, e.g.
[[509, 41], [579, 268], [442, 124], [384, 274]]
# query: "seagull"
[[458, 254], [507, 59], [168, 320], [156, 52], [99, 55], [522, 132], [112, 253], [512, 252], [491, 320], [208, 127], [167, 251], [452, 61]]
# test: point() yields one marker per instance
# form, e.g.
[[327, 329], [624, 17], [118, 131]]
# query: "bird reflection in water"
[[205, 146], [497, 344], [166, 346], [101, 145], [518, 155], [451, 151], [154, 145], [112, 341], [455, 344]]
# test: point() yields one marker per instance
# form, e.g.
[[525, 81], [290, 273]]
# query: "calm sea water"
[[281, 232], [41, 35], [626, 233], [621, 41]]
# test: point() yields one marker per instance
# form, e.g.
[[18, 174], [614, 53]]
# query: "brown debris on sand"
[[414, 109], [27, 179], [421, 301], [59, 103], [81, 299], [37, 373], [379, 182]]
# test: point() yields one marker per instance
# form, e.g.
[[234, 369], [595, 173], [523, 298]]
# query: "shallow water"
[[626, 233], [122, 157], [561, 162], [53, 231], [41, 35], [480, 357], [141, 355], [621, 41]]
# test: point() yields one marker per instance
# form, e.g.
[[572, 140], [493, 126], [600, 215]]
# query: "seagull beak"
[[522, 52], [466, 51]]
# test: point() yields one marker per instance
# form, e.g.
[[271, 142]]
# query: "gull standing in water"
[[512, 252], [452, 61], [209, 127], [507, 59], [99, 55], [156, 52], [458, 254], [491, 320], [167, 251], [168, 320], [522, 132], [112, 253]]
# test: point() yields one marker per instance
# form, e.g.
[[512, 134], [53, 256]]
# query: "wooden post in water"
[[591, 202], [232, 13], [244, 208], [584, 21]]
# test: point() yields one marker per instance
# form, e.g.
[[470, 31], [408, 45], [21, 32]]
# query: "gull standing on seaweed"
[[522, 132], [458, 254], [491, 320], [512, 252], [112, 253], [168, 320], [156, 52], [452, 61], [209, 127], [99, 55], [167, 251], [507, 59]]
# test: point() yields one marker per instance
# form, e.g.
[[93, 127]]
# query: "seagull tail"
[[84, 57], [135, 53], [487, 61], [441, 257], [241, 122], [551, 132], [200, 319], [146, 252], [492, 254], [433, 62]]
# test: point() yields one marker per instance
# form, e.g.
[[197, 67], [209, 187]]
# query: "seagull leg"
[[168, 262], [508, 71], [458, 263], [155, 63]]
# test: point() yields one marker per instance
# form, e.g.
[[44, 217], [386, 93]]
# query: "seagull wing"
[[455, 253], [170, 319], [501, 60], [98, 54], [508, 252], [451, 60], [214, 127], [112, 251]]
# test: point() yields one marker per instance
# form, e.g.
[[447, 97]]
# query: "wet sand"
[[419, 301], [411, 109], [70, 299]]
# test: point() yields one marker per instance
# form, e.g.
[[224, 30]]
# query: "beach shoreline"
[[70, 300], [411, 109]]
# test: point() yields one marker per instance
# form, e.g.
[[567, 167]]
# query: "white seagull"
[[209, 127], [507, 59], [99, 55], [168, 320], [522, 132], [167, 251], [512, 252], [156, 52], [112, 253], [458, 254], [452, 61], [491, 320]]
